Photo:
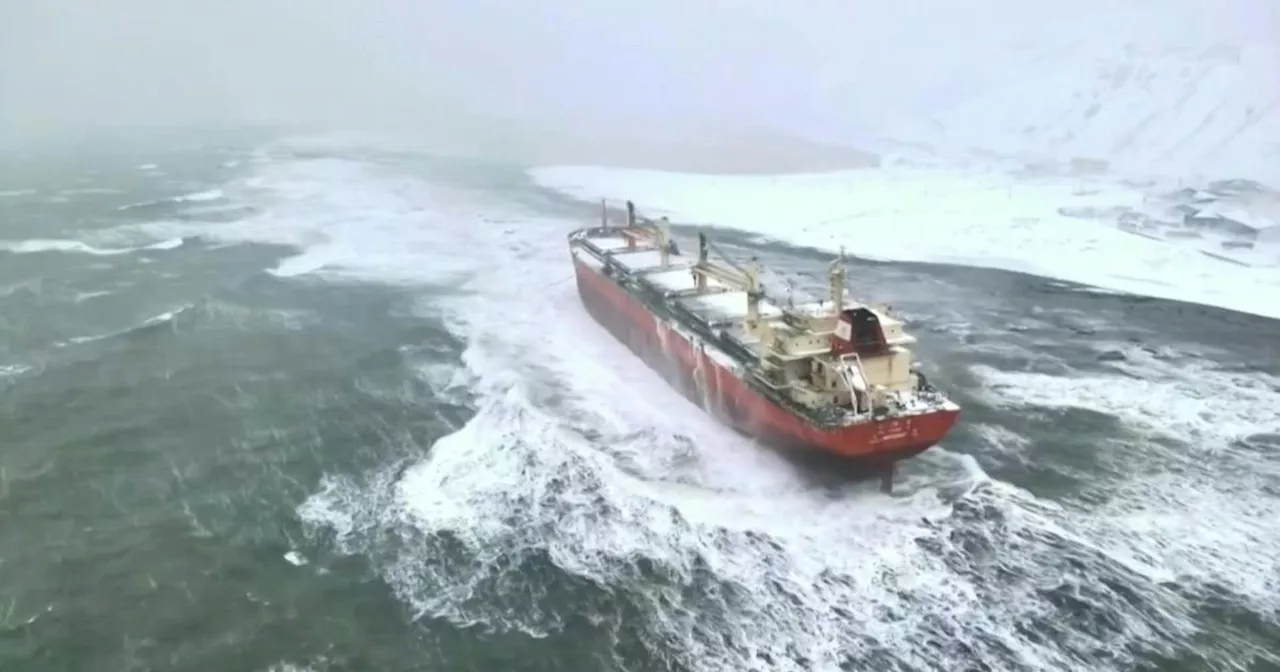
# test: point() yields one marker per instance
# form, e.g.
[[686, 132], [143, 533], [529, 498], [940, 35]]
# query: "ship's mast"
[[700, 279], [664, 241], [754, 293], [836, 285]]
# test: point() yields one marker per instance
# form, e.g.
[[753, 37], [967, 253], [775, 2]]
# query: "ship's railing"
[[788, 314], [585, 234], [851, 365]]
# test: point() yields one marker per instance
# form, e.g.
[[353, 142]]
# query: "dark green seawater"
[[307, 406]]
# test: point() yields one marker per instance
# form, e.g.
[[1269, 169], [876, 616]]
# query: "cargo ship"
[[833, 378]]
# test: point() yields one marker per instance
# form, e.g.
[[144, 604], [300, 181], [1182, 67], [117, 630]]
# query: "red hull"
[[874, 444]]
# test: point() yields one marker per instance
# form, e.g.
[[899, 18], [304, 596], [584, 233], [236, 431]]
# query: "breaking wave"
[[161, 319], [79, 247], [205, 196]]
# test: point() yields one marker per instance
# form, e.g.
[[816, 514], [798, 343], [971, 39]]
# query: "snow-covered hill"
[[1195, 94], [1212, 111]]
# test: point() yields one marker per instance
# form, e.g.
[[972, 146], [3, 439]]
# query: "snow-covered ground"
[[983, 218]]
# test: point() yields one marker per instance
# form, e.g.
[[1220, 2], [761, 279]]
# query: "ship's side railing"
[[588, 232], [637, 228]]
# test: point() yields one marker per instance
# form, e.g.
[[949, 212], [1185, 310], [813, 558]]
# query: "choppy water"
[[283, 407]]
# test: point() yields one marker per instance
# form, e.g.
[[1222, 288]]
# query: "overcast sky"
[[826, 67]]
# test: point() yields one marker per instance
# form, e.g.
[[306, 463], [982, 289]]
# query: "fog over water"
[[845, 71]]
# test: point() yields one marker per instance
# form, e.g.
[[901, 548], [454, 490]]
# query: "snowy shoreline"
[[976, 218]]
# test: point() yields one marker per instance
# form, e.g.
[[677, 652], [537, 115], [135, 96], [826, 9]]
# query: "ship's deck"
[[724, 308]]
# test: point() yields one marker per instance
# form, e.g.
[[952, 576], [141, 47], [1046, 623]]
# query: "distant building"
[[1190, 195], [1228, 219], [1238, 187]]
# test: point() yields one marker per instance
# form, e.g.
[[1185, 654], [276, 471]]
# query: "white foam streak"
[[75, 246], [205, 196], [972, 218], [158, 319]]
